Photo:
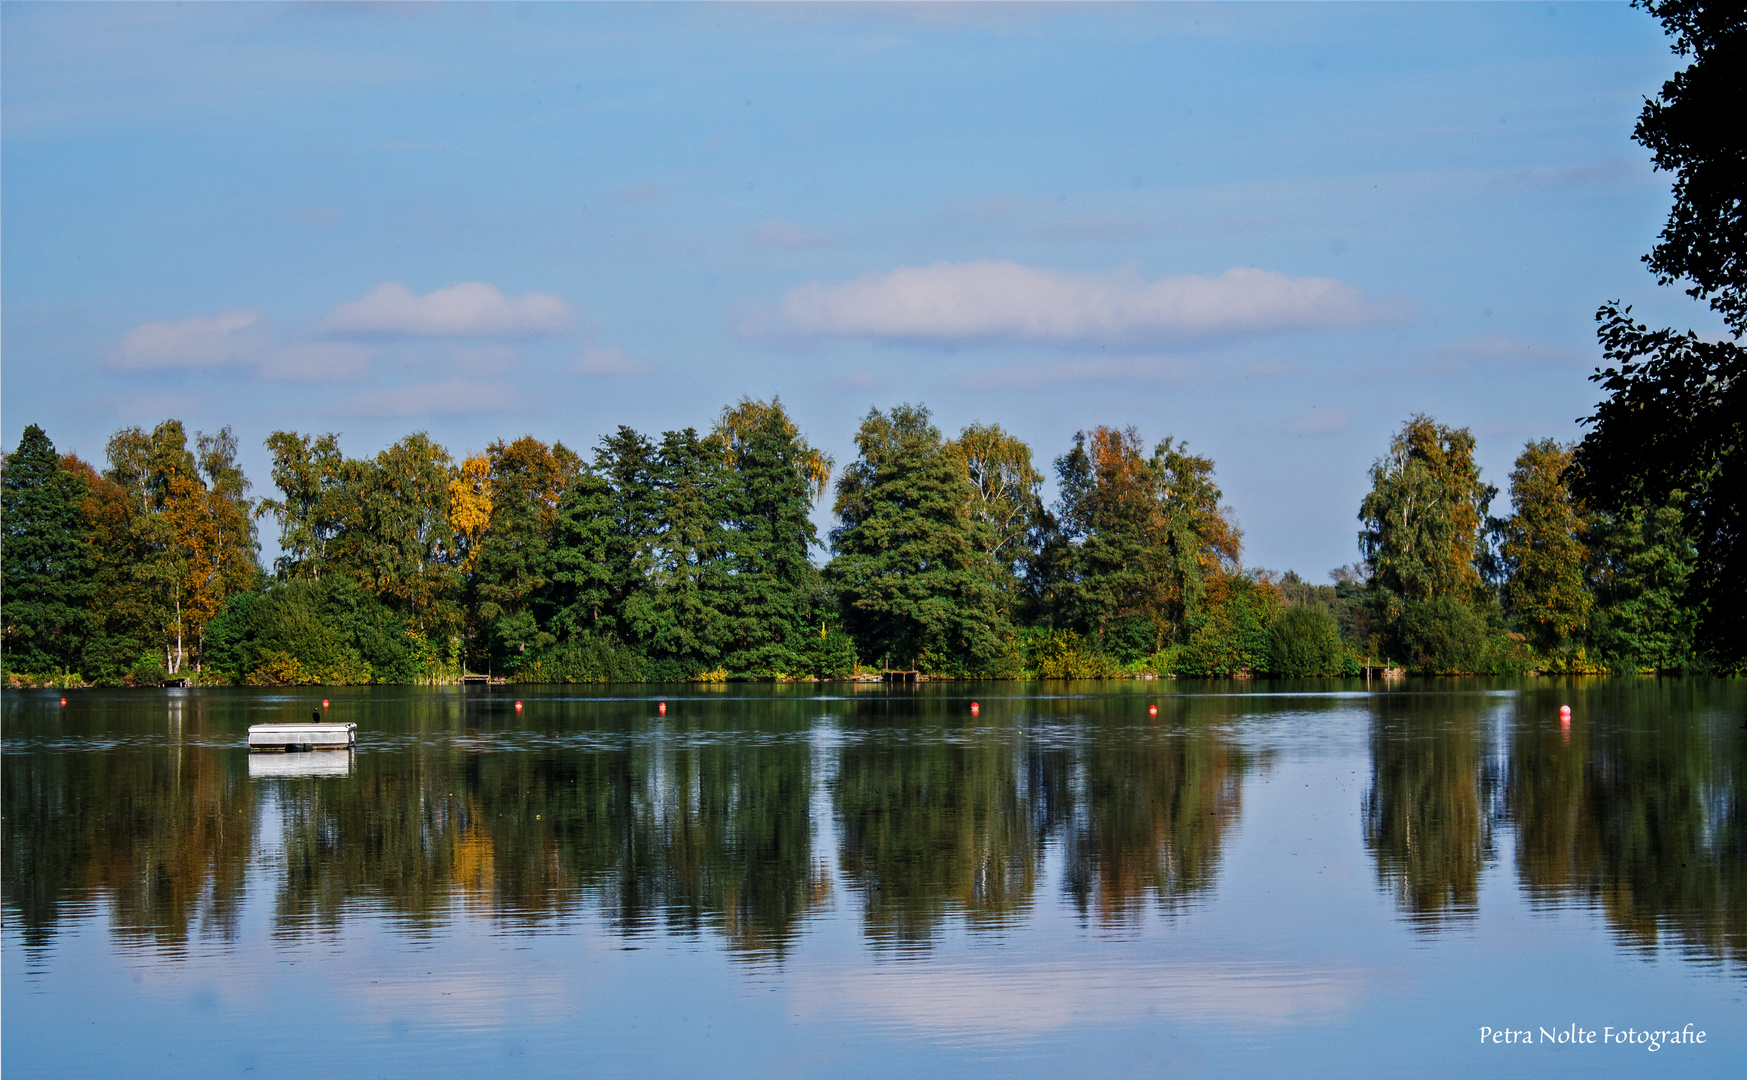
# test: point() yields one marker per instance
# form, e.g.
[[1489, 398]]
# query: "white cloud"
[[991, 299], [447, 398], [470, 309], [317, 361], [597, 360], [226, 338]]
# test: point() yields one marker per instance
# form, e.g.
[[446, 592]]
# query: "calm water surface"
[[1295, 879]]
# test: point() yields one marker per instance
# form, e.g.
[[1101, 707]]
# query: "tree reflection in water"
[[1428, 814], [1152, 806], [958, 823], [944, 823], [724, 818], [1638, 809], [162, 831], [685, 831]]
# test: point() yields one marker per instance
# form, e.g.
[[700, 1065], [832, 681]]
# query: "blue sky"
[[1275, 231]]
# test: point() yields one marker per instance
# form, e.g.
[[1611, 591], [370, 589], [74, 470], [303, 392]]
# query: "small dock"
[[279, 738], [901, 676], [469, 679]]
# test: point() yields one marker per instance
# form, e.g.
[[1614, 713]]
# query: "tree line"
[[691, 556]]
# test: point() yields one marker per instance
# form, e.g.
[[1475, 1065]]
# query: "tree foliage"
[[1642, 565], [1140, 540], [691, 556], [174, 538], [47, 576], [1304, 641], [1423, 544], [910, 561], [1423, 516], [308, 473], [1004, 499], [771, 588], [511, 564], [1544, 547], [1673, 419], [1693, 129], [1674, 428]]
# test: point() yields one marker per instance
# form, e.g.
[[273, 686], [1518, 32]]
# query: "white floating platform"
[[324, 736], [270, 766]]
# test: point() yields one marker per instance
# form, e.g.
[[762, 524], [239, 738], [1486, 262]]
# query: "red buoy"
[[662, 708], [1152, 710], [518, 706], [974, 708], [324, 703], [63, 701]]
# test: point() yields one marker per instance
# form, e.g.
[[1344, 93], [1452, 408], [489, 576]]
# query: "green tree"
[[908, 559], [513, 563], [626, 461], [1674, 418], [582, 574], [1675, 428], [331, 631], [1643, 565], [1422, 538], [1303, 642], [309, 473], [769, 591], [188, 543], [1141, 540], [1442, 636], [121, 626], [1543, 548], [677, 618], [1424, 513], [1228, 634], [393, 536], [215, 526], [1004, 498], [1201, 545], [47, 580], [150, 562], [1109, 568]]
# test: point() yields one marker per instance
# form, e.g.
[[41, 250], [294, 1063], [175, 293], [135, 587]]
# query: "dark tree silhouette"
[[1673, 425]]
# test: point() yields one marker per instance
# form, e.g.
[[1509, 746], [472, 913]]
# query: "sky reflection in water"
[[1305, 878]]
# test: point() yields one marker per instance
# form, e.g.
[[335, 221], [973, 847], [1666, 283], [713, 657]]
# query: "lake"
[[1323, 878]]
